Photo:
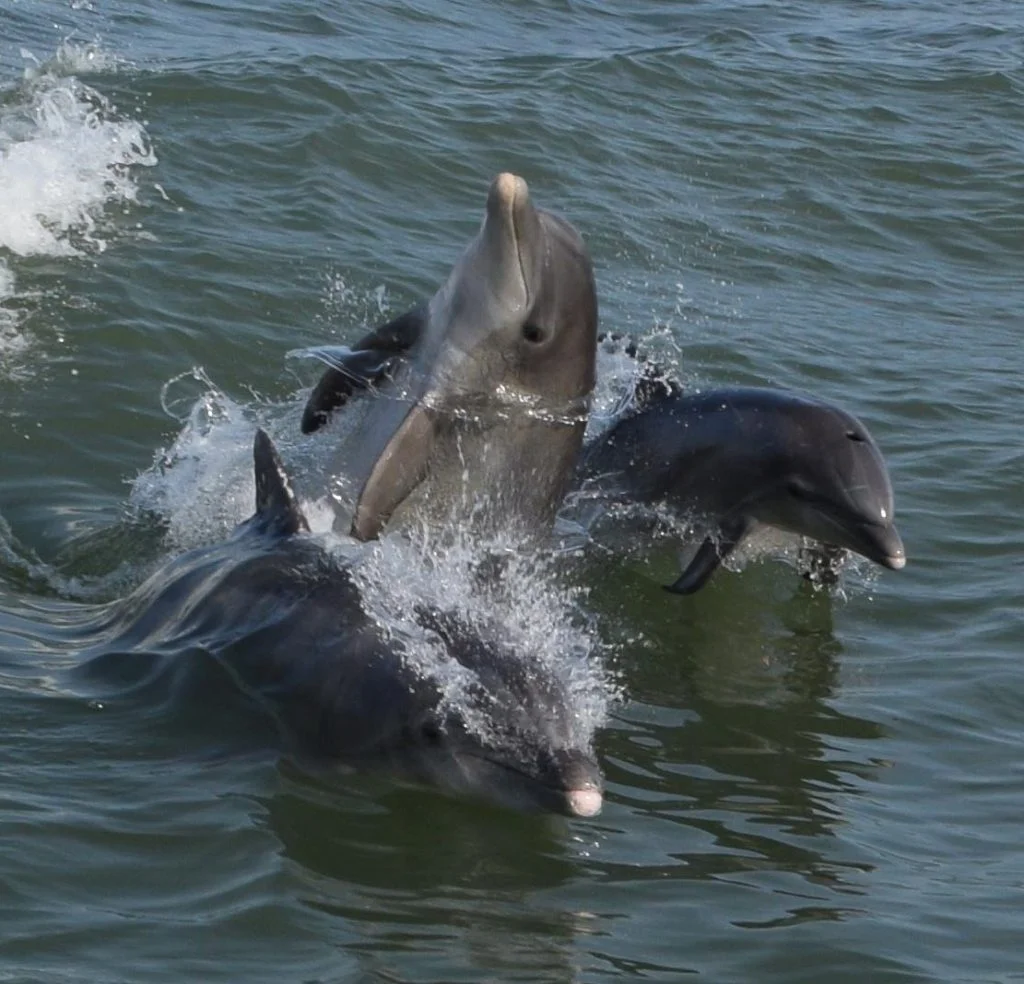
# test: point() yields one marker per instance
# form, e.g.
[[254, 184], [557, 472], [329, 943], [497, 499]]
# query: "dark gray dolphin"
[[738, 457], [488, 384], [285, 619]]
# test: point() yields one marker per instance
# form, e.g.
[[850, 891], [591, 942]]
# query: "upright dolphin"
[[490, 381], [285, 619], [738, 457]]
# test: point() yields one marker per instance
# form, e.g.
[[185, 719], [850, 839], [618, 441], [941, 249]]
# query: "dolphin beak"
[[507, 225], [578, 778], [882, 544], [585, 802]]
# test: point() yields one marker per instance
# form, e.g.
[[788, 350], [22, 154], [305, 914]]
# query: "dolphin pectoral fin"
[[709, 557], [698, 572], [277, 509], [369, 362], [400, 467], [349, 371]]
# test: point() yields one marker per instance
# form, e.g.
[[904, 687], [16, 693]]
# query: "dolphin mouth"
[[894, 561], [579, 794], [508, 202], [881, 544], [573, 777]]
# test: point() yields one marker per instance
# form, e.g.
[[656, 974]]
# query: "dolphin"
[[488, 383], [284, 618], [742, 456]]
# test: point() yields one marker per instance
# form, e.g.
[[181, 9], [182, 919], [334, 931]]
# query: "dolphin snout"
[[512, 230], [896, 560], [883, 545], [507, 192], [578, 778], [584, 802]]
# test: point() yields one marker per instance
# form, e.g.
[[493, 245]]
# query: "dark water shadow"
[[408, 879], [731, 742]]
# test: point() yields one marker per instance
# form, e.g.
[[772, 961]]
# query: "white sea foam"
[[502, 593], [68, 166], [66, 158], [201, 486]]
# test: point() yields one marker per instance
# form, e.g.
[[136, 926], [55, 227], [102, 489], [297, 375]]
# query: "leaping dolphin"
[[742, 456], [489, 382]]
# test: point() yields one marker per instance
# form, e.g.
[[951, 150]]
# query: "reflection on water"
[[731, 738], [410, 872]]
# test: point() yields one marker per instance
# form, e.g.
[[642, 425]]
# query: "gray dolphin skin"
[[489, 383], [285, 619], [742, 456]]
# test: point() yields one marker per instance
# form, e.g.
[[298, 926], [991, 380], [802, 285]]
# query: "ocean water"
[[803, 785]]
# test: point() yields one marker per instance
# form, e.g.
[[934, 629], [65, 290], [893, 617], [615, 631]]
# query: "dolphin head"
[[834, 485], [507, 733], [495, 393], [518, 312]]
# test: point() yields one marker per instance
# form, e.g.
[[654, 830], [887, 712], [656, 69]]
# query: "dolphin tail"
[[277, 509], [709, 557]]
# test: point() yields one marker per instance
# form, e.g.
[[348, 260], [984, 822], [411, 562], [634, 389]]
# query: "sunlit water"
[[803, 785]]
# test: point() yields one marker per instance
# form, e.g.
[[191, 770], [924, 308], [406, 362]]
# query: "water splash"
[[353, 305], [66, 157], [202, 485], [68, 164], [620, 372], [500, 592], [11, 341]]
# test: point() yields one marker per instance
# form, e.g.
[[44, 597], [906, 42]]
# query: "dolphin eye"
[[534, 334], [854, 436]]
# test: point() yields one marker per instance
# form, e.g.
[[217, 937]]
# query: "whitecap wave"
[[69, 164], [66, 158]]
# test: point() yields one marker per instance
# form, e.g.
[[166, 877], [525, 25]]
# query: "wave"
[[69, 162]]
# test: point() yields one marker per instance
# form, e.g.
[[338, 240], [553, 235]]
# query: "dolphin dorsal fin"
[[277, 509]]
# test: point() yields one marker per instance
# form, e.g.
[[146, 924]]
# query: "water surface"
[[802, 785]]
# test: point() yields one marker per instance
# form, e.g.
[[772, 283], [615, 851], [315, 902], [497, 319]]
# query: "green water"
[[827, 196]]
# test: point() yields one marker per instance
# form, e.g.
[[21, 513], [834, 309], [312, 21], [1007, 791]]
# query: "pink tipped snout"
[[584, 802]]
